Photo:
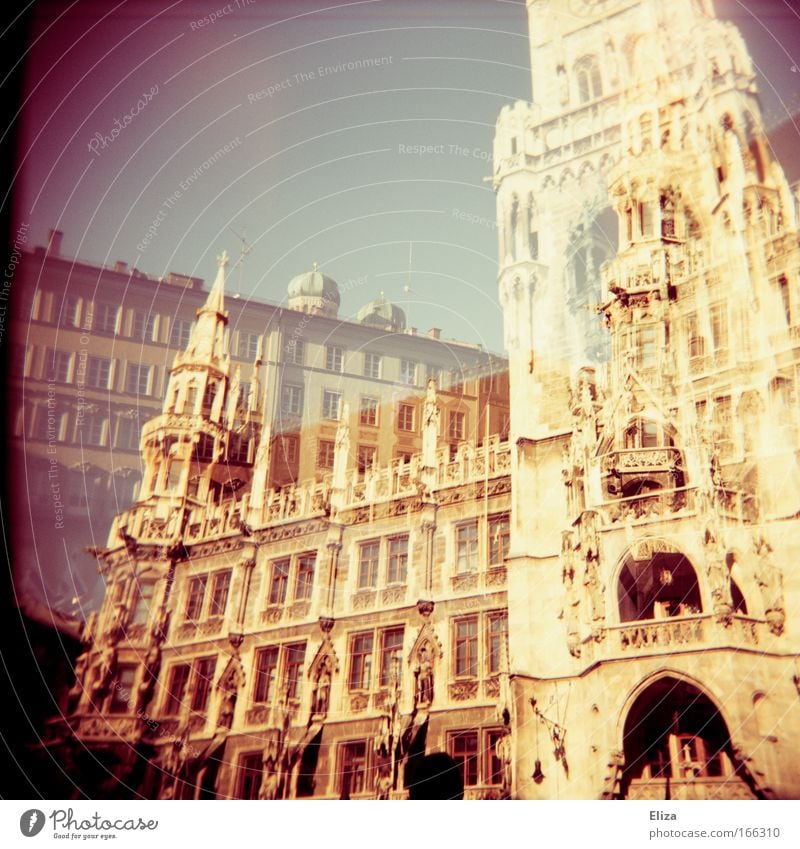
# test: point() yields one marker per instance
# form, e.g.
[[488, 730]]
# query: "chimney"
[[435, 333], [120, 266], [54, 238], [412, 331]]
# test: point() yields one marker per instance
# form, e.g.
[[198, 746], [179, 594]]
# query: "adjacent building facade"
[[598, 603], [93, 348]]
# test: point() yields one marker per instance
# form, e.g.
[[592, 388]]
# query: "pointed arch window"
[[588, 78]]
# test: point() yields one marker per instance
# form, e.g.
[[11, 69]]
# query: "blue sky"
[[319, 167]]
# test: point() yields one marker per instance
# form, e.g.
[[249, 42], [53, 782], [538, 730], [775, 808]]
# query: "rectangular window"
[[334, 358], [289, 449], [179, 333], [646, 348], [293, 676], [176, 689], [646, 219], [195, 598], [372, 366], [266, 671], [128, 433], [408, 372], [304, 581], [464, 751], [144, 326], [203, 682], [94, 429], [354, 774], [105, 318], [122, 691], [499, 539], [365, 458], [331, 404], [325, 449], [137, 379], [57, 366], [405, 417], [696, 343], [361, 648], [98, 372], [219, 593], [279, 581], [398, 560], [467, 547], [292, 399], [70, 312], [248, 345], [466, 647], [368, 414], [498, 630], [295, 352], [249, 774], [143, 603], [368, 557], [455, 430], [786, 298], [719, 327], [493, 766], [391, 651]]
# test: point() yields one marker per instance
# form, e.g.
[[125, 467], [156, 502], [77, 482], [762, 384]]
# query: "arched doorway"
[[677, 746]]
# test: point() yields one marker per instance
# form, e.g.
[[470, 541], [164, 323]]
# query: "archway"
[[677, 746]]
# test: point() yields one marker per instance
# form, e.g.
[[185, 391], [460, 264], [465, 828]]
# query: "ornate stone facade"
[[599, 606]]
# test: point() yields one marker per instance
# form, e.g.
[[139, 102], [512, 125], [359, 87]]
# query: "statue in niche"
[[104, 670], [76, 691], [430, 429], [719, 575], [322, 690], [563, 85], [228, 703], [152, 664], [269, 780], [770, 581], [383, 785], [595, 591], [424, 676]]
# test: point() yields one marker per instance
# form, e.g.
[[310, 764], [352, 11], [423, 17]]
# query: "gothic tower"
[[655, 502]]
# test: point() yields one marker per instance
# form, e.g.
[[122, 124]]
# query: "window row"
[[140, 325], [95, 372], [474, 752], [95, 429]]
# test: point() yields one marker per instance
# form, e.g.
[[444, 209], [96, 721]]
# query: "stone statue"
[[269, 781], [322, 692], [430, 426], [424, 694], [719, 575], [770, 581]]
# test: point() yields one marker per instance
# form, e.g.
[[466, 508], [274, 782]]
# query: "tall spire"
[[207, 344], [216, 297]]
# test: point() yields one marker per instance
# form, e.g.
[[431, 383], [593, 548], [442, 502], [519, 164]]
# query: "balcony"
[[663, 504], [110, 727], [666, 636], [658, 789], [640, 460]]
